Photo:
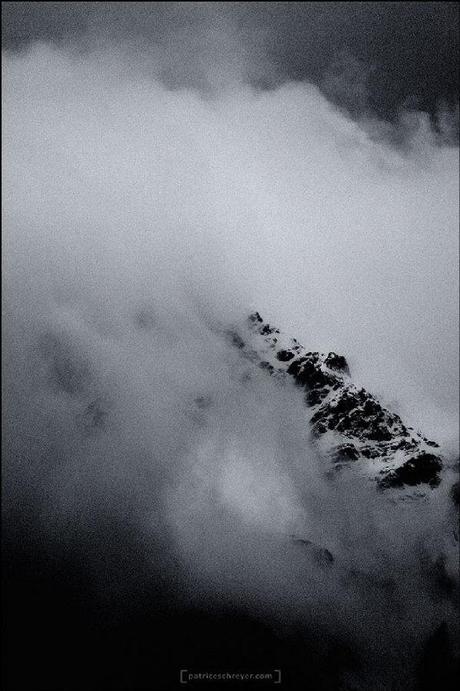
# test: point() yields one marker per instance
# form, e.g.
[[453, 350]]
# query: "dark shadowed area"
[[368, 57]]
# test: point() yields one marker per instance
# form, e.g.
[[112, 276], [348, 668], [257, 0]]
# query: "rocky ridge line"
[[348, 424]]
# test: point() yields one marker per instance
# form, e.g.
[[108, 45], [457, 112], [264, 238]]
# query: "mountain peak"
[[348, 424]]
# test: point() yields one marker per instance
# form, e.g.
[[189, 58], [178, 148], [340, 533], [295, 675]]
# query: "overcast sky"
[[393, 54]]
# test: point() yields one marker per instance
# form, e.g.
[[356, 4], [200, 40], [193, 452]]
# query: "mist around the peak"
[[143, 455]]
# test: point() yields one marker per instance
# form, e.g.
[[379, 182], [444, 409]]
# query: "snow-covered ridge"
[[348, 424]]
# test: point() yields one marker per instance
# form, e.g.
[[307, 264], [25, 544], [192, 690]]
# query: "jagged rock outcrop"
[[349, 425]]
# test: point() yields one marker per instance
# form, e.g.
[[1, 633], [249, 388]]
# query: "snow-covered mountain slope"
[[348, 425]]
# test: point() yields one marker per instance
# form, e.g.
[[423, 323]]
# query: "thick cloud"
[[347, 243], [137, 220]]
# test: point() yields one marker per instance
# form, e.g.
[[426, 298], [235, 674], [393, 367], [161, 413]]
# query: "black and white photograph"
[[230, 346]]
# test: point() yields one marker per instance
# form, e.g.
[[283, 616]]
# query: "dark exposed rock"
[[336, 409], [267, 329], [315, 396], [307, 373], [370, 451], [284, 355], [379, 433], [404, 445], [422, 468], [345, 404], [358, 425], [371, 407], [295, 366], [432, 443], [321, 555], [337, 362], [318, 429]]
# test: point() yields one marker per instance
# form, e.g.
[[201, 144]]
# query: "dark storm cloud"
[[377, 58]]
